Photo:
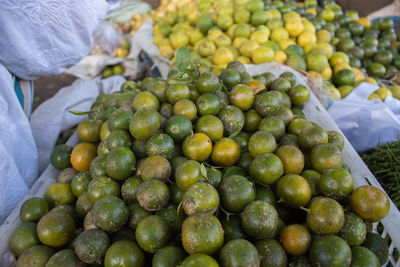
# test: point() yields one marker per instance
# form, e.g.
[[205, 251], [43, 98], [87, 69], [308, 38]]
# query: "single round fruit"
[[197, 146], [110, 213], [200, 197], [152, 195], [236, 193], [266, 169], [59, 194], [22, 238], [336, 183], [325, 156], [56, 229], [354, 229], [120, 163], [60, 157], [377, 245], [370, 203], [199, 259], [232, 118], [202, 233], [210, 125], [91, 245], [325, 216], [260, 220], [311, 136], [361, 256], [124, 253], [292, 159], [294, 190], [144, 123], [178, 127], [268, 103], [226, 152], [330, 250], [65, 257], [239, 252], [160, 144], [295, 239], [169, 256], [152, 233], [33, 209], [260, 143], [38, 255], [82, 155], [271, 253]]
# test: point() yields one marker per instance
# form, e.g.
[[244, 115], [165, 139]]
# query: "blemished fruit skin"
[[214, 165]]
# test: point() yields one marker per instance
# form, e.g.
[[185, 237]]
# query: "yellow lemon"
[[195, 36], [283, 44], [231, 30], [383, 93], [365, 22], [312, 11], [306, 38], [238, 41], [222, 56], [359, 76], [274, 24], [260, 37], [327, 73], [243, 60], [374, 96], [294, 28], [279, 34], [324, 36], [328, 15], [177, 39], [247, 48], [262, 55], [327, 49], [371, 80], [275, 13], [280, 56], [291, 16], [213, 34], [341, 66], [339, 57], [166, 51], [308, 26]]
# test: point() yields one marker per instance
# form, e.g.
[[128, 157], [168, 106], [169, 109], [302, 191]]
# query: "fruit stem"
[[302, 208]]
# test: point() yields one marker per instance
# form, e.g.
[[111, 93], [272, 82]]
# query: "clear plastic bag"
[[367, 122]]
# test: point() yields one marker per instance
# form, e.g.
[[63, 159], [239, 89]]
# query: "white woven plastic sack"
[[53, 116], [367, 122]]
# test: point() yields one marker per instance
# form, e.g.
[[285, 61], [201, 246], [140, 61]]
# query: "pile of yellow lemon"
[[219, 31]]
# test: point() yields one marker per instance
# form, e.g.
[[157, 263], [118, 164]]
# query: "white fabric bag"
[[38, 37]]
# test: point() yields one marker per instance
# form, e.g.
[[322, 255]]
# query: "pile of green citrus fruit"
[[322, 40], [202, 170]]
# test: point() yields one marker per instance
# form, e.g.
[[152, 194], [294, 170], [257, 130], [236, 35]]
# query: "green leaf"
[[203, 171], [81, 112], [233, 135], [183, 58]]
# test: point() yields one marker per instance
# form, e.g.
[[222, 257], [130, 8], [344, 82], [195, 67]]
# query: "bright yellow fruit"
[[262, 55], [279, 34], [260, 37], [306, 38], [222, 55], [247, 48], [383, 93], [280, 57], [294, 28]]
